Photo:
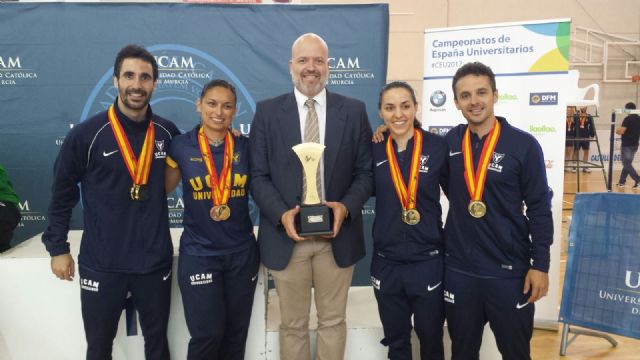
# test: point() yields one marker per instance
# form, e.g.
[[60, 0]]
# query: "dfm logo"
[[632, 281]]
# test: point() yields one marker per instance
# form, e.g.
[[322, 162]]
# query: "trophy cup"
[[315, 218]]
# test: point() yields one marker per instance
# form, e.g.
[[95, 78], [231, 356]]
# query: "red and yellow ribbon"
[[220, 189], [138, 169], [406, 196], [476, 180]]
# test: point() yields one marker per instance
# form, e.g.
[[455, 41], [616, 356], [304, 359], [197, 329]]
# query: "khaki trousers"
[[312, 264]]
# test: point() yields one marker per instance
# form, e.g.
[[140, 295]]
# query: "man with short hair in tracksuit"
[[116, 160], [499, 227]]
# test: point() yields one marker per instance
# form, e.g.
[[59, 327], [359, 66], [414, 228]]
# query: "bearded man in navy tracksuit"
[[499, 226], [117, 158]]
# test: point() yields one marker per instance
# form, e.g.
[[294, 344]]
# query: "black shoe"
[[636, 185]]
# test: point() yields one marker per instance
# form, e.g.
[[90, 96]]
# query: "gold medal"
[[139, 192], [140, 167], [475, 180], [407, 193], [411, 216], [220, 186], [220, 213], [134, 191], [477, 209]]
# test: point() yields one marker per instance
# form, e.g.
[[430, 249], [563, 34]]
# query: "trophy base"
[[314, 220]]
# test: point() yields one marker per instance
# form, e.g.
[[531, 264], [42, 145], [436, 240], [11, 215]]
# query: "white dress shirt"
[[321, 110]]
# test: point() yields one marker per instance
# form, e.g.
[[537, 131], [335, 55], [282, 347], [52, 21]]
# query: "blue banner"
[[602, 280], [56, 66]]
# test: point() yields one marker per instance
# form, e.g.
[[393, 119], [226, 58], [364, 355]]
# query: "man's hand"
[[378, 136], [63, 267], [339, 215], [288, 220], [538, 282]]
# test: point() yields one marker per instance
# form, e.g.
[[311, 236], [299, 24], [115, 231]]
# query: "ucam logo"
[[90, 285], [27, 214], [543, 98], [449, 297], [10, 62], [632, 280], [174, 62], [12, 72], [347, 70], [375, 283], [201, 279], [343, 63], [24, 206]]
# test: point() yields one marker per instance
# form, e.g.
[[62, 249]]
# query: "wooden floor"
[[546, 344]]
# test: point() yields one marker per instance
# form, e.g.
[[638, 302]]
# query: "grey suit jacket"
[[276, 173]]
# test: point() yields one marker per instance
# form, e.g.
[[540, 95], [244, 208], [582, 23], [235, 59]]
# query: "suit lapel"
[[290, 122], [289, 129], [334, 130]]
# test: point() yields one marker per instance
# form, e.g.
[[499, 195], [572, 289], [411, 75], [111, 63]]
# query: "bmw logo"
[[438, 98]]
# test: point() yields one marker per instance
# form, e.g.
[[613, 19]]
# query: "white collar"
[[320, 98]]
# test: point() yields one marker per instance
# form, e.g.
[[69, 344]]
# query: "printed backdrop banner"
[[56, 67], [530, 61], [602, 280]]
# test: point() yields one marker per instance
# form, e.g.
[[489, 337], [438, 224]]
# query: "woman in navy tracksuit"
[[407, 264], [218, 263]]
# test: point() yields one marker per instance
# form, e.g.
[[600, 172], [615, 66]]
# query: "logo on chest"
[[423, 164], [494, 165], [161, 152]]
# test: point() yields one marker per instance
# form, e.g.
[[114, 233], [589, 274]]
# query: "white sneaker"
[[573, 171], [586, 170]]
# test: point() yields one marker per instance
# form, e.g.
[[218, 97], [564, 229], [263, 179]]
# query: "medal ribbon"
[[139, 170], [475, 180], [220, 189], [407, 197]]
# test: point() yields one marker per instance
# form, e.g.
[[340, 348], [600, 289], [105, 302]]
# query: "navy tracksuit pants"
[[471, 302], [217, 294], [103, 296], [406, 289]]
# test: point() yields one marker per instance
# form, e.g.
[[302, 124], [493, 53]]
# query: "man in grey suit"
[[298, 263]]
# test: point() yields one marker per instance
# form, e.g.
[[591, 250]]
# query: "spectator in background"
[[629, 133], [586, 132], [9, 213], [570, 132]]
